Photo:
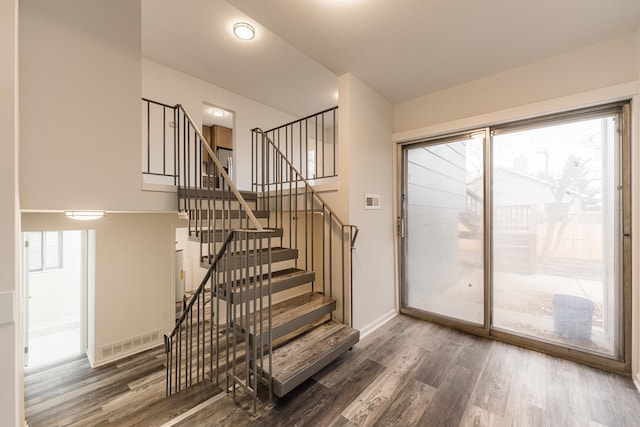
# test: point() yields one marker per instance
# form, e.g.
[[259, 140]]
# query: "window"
[[311, 163], [45, 250]]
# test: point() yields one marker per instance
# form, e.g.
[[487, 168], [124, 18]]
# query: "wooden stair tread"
[[298, 360], [280, 281], [205, 235], [227, 214], [288, 315], [216, 194], [277, 254]]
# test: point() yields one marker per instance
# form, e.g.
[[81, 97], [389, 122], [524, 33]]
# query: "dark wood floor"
[[408, 372]]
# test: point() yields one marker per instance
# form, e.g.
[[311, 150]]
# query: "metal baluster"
[[198, 339], [167, 350], [164, 140], [330, 255], [269, 305], [148, 137], [324, 144], [324, 251], [234, 316], [344, 318], [227, 276], [334, 143], [175, 146], [179, 360]]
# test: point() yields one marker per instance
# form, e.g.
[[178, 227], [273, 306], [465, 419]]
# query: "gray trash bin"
[[572, 316]]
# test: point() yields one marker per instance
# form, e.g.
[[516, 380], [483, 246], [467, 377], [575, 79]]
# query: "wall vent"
[[129, 344]]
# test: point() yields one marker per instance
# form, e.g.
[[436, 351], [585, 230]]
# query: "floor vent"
[[129, 344]]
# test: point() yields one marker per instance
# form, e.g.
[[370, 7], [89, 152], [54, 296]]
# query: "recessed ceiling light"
[[218, 113], [244, 31]]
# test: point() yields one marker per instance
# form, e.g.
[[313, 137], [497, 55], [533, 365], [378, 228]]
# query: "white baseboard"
[[120, 356], [90, 358], [377, 323], [636, 380]]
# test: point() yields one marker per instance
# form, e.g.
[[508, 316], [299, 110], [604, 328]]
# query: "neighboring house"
[[71, 124]]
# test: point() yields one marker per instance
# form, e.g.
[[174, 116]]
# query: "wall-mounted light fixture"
[[244, 31], [85, 215]]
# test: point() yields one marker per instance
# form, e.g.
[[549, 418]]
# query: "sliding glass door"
[[556, 233], [525, 235], [444, 257]]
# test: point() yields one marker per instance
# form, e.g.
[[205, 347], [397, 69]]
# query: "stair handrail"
[[314, 192], [203, 284], [252, 218]]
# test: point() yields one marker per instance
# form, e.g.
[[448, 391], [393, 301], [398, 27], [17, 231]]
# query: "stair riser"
[[280, 389], [279, 286], [236, 262], [204, 214], [220, 236], [215, 194]]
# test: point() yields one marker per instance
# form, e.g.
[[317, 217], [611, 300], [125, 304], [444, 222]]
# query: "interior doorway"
[[56, 296]]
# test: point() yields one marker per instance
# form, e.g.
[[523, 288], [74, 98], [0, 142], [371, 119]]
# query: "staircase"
[[275, 304]]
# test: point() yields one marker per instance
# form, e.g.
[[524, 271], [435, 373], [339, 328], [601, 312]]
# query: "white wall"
[[171, 87], [605, 64], [80, 73], [366, 166], [132, 291], [11, 385]]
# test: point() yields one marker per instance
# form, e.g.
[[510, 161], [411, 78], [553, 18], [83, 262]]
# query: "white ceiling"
[[401, 48], [208, 119]]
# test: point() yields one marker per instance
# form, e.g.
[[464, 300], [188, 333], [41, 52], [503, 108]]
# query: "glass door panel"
[[555, 222], [444, 230]]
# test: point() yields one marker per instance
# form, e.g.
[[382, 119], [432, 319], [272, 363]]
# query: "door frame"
[[622, 366], [83, 295]]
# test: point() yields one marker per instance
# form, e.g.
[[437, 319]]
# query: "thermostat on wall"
[[372, 201]]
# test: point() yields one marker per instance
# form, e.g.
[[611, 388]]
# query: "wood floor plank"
[[408, 405], [408, 372], [494, 384], [433, 370], [378, 396], [327, 404], [453, 394]]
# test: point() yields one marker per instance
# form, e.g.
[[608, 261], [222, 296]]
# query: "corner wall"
[[80, 74], [366, 167], [11, 372]]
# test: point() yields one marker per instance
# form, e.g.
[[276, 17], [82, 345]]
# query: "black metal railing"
[[310, 144], [160, 142], [210, 340], [324, 242], [235, 248], [197, 340]]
